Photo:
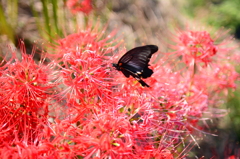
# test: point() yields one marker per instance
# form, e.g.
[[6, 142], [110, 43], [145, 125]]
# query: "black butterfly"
[[135, 63]]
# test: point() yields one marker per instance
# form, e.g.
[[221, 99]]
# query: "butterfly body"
[[135, 63]]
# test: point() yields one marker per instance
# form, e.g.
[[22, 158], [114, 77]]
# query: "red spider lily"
[[84, 6], [225, 77], [25, 98], [110, 134], [217, 78], [196, 45], [84, 69], [153, 153], [98, 113]]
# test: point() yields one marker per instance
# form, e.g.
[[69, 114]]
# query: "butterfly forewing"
[[138, 57]]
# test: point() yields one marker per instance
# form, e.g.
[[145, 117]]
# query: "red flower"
[[84, 6], [218, 78], [109, 134], [26, 88], [85, 69], [94, 115], [224, 77], [196, 45]]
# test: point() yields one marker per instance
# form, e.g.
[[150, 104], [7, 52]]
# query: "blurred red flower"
[[84, 6], [196, 45]]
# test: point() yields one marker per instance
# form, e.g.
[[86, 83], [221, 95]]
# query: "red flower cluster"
[[196, 45], [26, 91], [84, 6], [78, 106]]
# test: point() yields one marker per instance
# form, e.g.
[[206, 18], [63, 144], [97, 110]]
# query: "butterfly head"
[[116, 66]]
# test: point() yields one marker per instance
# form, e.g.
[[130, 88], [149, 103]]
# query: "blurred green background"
[[40, 22]]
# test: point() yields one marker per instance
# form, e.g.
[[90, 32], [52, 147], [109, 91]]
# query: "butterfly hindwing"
[[127, 73], [147, 72]]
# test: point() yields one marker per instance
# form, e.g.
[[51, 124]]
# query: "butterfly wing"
[[127, 73], [137, 59], [135, 63]]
